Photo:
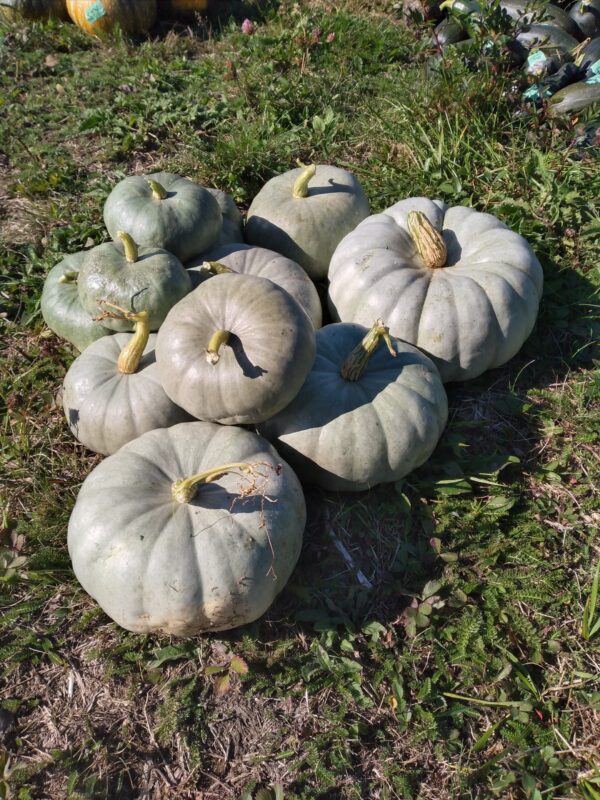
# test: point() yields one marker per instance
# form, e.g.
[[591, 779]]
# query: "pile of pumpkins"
[[134, 17], [558, 49], [207, 378]]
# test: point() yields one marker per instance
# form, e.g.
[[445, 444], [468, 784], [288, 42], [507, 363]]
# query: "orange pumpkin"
[[102, 16]]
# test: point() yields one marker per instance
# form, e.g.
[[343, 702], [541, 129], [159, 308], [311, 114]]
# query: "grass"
[[439, 637]]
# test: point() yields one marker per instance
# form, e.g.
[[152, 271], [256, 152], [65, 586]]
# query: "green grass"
[[458, 656]]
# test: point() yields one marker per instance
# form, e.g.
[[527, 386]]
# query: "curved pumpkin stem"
[[430, 243], [131, 355], [355, 364], [218, 339], [184, 489], [216, 267], [69, 277], [300, 189], [131, 248], [158, 190]]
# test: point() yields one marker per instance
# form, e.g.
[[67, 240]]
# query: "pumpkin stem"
[[429, 242], [216, 267], [131, 248], [184, 489], [300, 189], [218, 338], [355, 364], [577, 52], [68, 277], [158, 191], [130, 356]]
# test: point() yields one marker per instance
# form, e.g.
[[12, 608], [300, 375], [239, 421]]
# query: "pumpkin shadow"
[[215, 497], [249, 369]]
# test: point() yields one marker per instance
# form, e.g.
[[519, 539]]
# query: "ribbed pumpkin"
[[235, 350], [102, 16], [137, 278], [304, 213], [248, 260], [458, 284], [33, 9], [232, 228], [112, 393], [61, 308], [187, 529], [367, 413]]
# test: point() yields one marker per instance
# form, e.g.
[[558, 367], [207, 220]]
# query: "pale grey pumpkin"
[[112, 393], [249, 260], [304, 213], [166, 211], [363, 416], [61, 308], [235, 350], [136, 278], [232, 227], [166, 555], [470, 311]]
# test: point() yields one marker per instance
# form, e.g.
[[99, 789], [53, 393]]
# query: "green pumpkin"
[[166, 211], [304, 213], [461, 286], [61, 308], [368, 413], [112, 393], [187, 529], [138, 279], [236, 350], [33, 9], [232, 227], [249, 260]]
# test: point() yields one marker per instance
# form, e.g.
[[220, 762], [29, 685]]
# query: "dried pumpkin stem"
[[131, 355], [216, 267], [430, 243], [68, 277], [300, 189], [131, 248], [355, 364], [184, 489], [218, 338], [158, 191]]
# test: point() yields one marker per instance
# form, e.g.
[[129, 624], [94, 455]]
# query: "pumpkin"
[[458, 284], [134, 17], [112, 393], [164, 210], [249, 260], [61, 308], [366, 414], [231, 230], [33, 9], [586, 13], [187, 529], [236, 350], [304, 213], [139, 279]]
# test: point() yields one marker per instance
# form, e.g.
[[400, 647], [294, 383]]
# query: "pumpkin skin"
[[153, 283], [248, 260], [106, 408], [134, 17], [258, 372], [308, 229], [33, 9], [62, 310], [232, 228], [346, 435], [156, 565], [469, 316], [186, 222]]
